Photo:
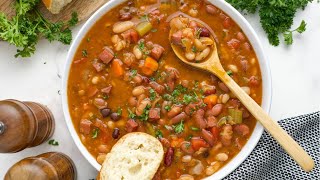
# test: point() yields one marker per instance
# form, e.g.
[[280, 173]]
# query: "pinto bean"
[[175, 110], [223, 87], [178, 118], [199, 119], [128, 58], [165, 142], [137, 91], [190, 109], [169, 157], [217, 109], [211, 9], [100, 103], [186, 147], [212, 121], [157, 87], [253, 81], [241, 129], [132, 101], [226, 134]]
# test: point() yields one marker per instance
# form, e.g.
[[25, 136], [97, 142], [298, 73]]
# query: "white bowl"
[[247, 29]]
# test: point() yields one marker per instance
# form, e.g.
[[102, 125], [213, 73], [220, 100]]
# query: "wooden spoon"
[[213, 65]]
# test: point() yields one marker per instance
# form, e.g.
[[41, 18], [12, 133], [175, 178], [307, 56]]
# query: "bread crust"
[[55, 6], [107, 173]]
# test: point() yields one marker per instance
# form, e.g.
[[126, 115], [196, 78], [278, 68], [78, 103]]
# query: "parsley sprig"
[[25, 28], [276, 16]]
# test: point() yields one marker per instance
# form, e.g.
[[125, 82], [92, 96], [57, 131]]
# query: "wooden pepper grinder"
[[51, 165], [23, 125]]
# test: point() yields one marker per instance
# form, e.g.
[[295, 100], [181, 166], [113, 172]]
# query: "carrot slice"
[[210, 100], [197, 143], [176, 142], [146, 71], [151, 64], [117, 68]]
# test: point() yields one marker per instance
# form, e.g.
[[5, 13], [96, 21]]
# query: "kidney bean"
[[227, 23], [105, 112], [175, 110], [204, 32], [178, 118], [115, 133], [216, 109], [186, 147], [169, 157], [223, 87], [244, 65], [115, 116], [240, 36], [199, 119], [247, 46], [212, 121]]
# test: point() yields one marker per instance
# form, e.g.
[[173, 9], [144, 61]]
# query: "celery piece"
[[236, 115], [143, 28]]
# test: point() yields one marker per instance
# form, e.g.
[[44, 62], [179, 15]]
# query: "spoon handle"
[[286, 141]]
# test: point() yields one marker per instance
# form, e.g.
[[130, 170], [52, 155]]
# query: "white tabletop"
[[295, 78]]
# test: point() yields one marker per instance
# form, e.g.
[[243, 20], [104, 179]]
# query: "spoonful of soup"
[[193, 43]]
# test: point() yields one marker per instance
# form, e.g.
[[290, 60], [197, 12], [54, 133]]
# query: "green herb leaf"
[[159, 134], [131, 114], [84, 53], [74, 19], [153, 94], [53, 142], [167, 107], [145, 115], [288, 38], [229, 72], [194, 49], [119, 111], [194, 128], [95, 133], [133, 73], [302, 27], [179, 128]]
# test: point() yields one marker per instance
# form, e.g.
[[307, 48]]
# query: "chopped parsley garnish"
[[194, 128], [131, 114], [133, 73], [176, 93], [95, 133], [179, 128], [145, 17], [187, 99], [141, 45], [229, 72], [105, 97], [145, 115], [84, 53], [119, 111], [153, 94], [53, 142], [159, 134], [189, 137], [167, 107]]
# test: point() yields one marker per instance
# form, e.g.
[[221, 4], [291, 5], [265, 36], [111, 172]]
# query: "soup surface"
[[125, 78]]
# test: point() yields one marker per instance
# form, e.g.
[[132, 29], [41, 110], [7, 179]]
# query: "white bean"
[[233, 68], [206, 41], [202, 55], [115, 39], [246, 89], [137, 52], [222, 157], [186, 177], [212, 168], [190, 56], [122, 26], [186, 158], [193, 12], [224, 98], [120, 45], [95, 80], [199, 45], [110, 124]]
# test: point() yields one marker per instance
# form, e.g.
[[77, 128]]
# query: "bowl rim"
[[247, 30]]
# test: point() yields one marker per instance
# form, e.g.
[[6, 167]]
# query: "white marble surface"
[[295, 71]]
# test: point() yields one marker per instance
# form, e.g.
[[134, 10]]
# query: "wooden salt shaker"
[[51, 165], [23, 125]]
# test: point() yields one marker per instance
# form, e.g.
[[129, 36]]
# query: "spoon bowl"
[[213, 65]]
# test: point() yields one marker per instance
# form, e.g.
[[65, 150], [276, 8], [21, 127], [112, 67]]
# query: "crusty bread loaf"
[[55, 6], [136, 156]]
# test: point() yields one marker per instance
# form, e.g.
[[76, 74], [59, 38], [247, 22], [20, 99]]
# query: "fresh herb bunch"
[[25, 28], [276, 16]]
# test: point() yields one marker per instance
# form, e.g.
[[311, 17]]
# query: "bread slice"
[[55, 6], [136, 156]]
